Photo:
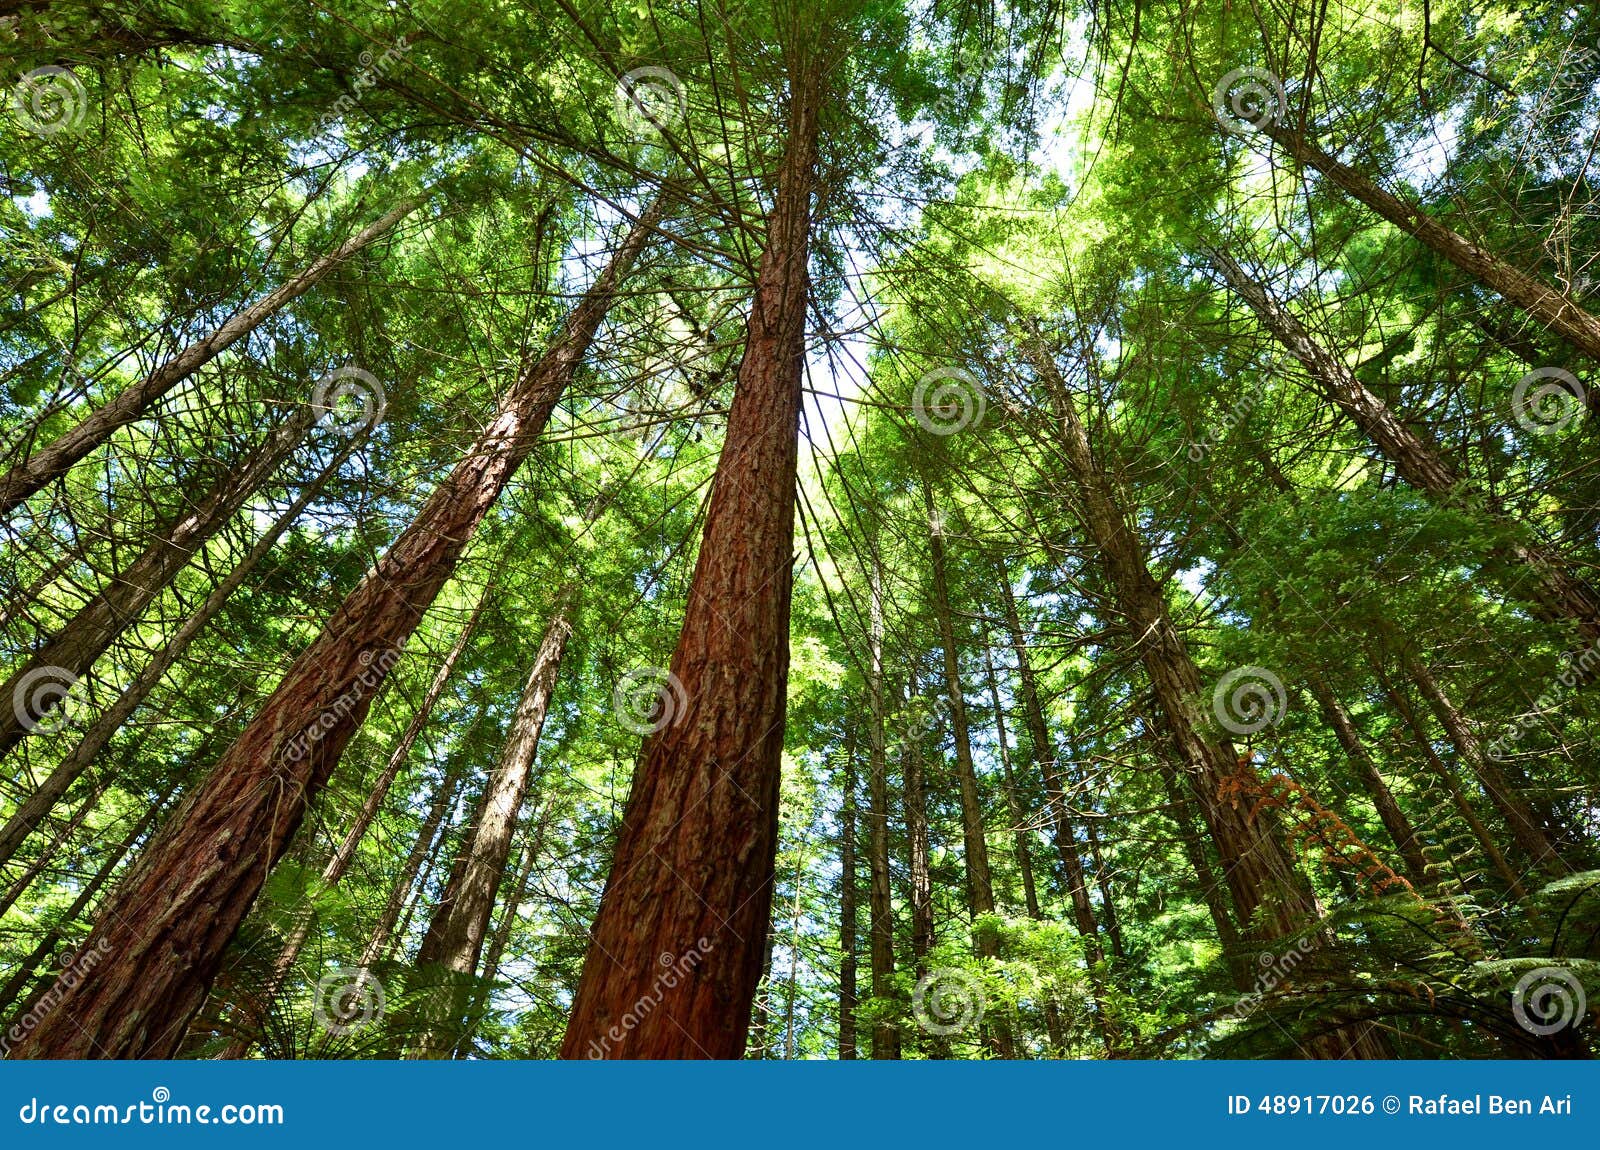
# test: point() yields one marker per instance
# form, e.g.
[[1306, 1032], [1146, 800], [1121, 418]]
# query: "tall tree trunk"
[[1554, 310], [345, 853], [1211, 887], [848, 926], [980, 884], [1447, 779], [94, 740], [885, 1036], [455, 936], [915, 806], [1561, 594], [1271, 897], [48, 853], [518, 894], [127, 593], [1531, 829], [55, 459], [430, 839], [169, 924], [693, 872], [1055, 1030], [1401, 832]]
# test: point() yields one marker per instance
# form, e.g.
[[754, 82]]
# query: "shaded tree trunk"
[[82, 756], [55, 459], [848, 926], [885, 1036], [1561, 594], [127, 593], [170, 922], [1552, 309], [693, 872]]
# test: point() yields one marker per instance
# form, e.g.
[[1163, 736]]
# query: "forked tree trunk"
[[455, 936], [55, 459], [127, 593], [81, 757], [1548, 307], [170, 922], [1560, 593], [1271, 897], [693, 873], [885, 1036]]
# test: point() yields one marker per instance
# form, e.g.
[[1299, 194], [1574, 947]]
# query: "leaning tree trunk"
[[1560, 593], [693, 873], [919, 850], [81, 757], [430, 836], [127, 593], [460, 923], [1271, 897], [1554, 310], [885, 1036], [55, 459], [345, 853], [170, 923]]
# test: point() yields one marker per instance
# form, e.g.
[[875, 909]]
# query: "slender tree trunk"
[[54, 460], [1447, 778], [127, 593], [794, 962], [1561, 594], [518, 893], [1531, 830], [848, 926], [345, 854], [921, 877], [1401, 832], [13, 989], [693, 872], [1554, 310], [94, 740], [169, 924], [49, 852], [1211, 887], [383, 931], [1272, 898], [885, 1036], [1053, 1025], [460, 923], [980, 884]]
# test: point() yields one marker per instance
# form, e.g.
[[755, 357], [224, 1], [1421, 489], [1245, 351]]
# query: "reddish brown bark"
[[691, 883], [57, 457], [171, 920]]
